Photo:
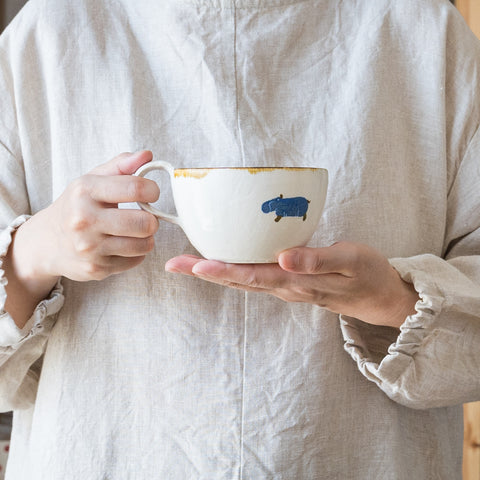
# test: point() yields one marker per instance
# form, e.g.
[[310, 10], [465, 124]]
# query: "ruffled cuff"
[[386, 355], [10, 334]]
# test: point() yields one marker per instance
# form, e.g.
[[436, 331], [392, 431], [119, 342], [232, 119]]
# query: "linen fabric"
[[149, 375]]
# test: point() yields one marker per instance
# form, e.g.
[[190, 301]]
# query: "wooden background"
[[470, 9]]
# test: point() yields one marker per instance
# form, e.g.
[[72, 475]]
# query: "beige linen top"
[[149, 375]]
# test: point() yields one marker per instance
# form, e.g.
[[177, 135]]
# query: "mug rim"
[[200, 172], [259, 169]]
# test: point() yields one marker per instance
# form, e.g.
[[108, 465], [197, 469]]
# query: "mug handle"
[[141, 172]]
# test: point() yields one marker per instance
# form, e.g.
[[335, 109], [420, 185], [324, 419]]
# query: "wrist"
[[26, 259], [404, 304], [27, 281]]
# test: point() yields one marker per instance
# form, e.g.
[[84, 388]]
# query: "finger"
[[127, 222], [124, 164], [338, 258], [110, 265], [126, 246], [182, 264], [240, 277], [119, 189], [209, 270], [257, 276]]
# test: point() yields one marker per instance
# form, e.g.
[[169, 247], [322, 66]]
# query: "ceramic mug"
[[244, 214]]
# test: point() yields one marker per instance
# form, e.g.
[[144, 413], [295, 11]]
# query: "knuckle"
[[252, 279], [79, 218], [315, 264], [79, 187], [79, 222], [95, 271], [311, 262], [84, 245]]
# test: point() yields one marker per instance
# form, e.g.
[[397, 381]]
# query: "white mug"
[[244, 214]]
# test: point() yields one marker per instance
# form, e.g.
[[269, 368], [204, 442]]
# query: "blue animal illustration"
[[287, 207]]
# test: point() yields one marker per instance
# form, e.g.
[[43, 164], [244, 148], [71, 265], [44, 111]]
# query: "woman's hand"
[[82, 235], [347, 278]]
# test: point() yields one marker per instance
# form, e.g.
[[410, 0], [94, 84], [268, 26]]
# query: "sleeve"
[[435, 360], [20, 349]]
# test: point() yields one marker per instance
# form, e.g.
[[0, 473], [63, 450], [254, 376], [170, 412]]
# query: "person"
[[124, 355]]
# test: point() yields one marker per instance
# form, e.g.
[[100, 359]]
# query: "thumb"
[[314, 260], [124, 164]]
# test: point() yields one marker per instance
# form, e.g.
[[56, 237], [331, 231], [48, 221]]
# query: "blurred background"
[[8, 9]]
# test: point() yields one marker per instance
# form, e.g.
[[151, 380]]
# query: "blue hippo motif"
[[287, 207]]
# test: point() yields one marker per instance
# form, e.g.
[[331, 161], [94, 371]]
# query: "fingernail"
[[290, 259], [208, 268], [171, 270], [198, 272]]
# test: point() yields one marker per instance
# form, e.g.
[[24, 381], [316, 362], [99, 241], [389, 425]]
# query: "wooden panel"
[[470, 9], [471, 441]]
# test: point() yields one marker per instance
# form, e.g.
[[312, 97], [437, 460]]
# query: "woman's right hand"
[[83, 235]]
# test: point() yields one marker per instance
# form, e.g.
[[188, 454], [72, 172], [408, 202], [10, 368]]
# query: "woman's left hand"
[[347, 278]]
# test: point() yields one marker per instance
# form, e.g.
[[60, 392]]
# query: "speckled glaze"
[[244, 214]]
